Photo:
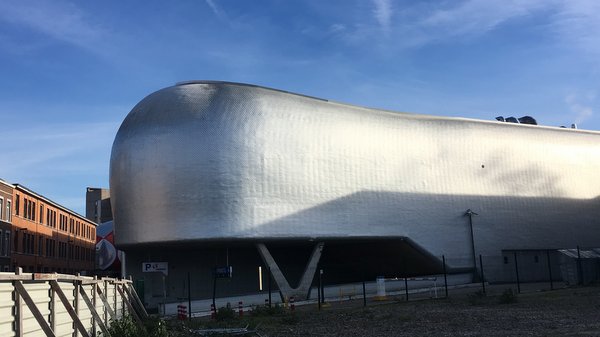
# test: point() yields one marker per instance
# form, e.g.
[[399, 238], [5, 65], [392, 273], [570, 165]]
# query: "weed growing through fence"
[[127, 327]]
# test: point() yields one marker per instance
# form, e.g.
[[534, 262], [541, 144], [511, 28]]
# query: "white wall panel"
[[6, 308], [39, 293]]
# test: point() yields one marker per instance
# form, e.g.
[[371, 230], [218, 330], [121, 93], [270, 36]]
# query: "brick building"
[[6, 193], [48, 237]]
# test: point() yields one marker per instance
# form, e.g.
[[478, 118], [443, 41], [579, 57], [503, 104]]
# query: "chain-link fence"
[[520, 270]]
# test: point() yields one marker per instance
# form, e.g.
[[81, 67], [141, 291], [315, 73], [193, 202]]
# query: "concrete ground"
[[432, 286]]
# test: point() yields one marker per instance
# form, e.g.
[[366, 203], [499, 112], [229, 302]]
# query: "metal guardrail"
[[36, 304]]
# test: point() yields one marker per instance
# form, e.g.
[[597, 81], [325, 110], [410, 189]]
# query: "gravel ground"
[[565, 312]]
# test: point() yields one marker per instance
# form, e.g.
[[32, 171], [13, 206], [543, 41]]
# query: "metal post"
[[189, 297], [269, 285], [482, 276], [579, 267], [470, 214], [319, 291], [549, 269], [319, 297], [215, 289], [517, 271], [445, 275], [406, 287], [321, 286], [364, 294]]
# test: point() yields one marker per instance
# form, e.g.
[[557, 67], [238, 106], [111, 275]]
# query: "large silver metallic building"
[[205, 165]]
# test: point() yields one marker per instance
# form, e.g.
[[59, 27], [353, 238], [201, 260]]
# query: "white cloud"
[[59, 160], [420, 24], [383, 14], [58, 148], [217, 10], [581, 105], [578, 25], [570, 23], [336, 28], [58, 20], [476, 17]]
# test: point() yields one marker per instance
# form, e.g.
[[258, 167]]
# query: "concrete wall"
[[200, 263]]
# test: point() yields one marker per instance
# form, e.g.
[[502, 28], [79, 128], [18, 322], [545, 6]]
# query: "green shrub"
[[225, 313], [476, 298], [507, 297], [156, 327], [124, 327], [127, 327], [265, 310]]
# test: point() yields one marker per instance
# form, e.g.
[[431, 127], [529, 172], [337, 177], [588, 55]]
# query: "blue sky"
[[71, 71]]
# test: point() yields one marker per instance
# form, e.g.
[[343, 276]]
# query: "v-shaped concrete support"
[[300, 292]]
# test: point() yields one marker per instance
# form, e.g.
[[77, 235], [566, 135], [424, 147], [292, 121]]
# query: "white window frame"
[[8, 210]]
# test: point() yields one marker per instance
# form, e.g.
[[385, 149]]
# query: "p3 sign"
[[161, 267]]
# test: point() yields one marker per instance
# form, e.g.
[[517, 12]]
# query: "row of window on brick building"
[[47, 247], [8, 216], [72, 225]]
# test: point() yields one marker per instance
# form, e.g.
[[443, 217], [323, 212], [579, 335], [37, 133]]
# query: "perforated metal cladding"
[[222, 161]]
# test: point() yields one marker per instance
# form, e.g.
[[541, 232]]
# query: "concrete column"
[[301, 292]]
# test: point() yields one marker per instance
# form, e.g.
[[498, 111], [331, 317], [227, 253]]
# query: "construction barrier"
[[181, 312], [36, 304], [213, 312]]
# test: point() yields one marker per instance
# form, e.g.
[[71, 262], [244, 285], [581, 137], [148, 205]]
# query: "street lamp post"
[[470, 214]]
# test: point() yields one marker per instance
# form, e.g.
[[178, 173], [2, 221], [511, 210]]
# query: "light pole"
[[470, 214]]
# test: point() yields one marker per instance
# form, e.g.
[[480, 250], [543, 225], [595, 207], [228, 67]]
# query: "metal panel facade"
[[220, 161]]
